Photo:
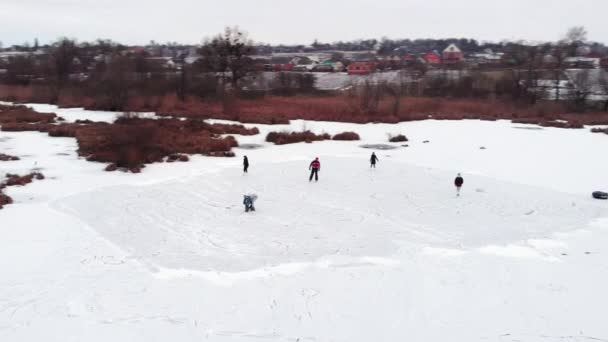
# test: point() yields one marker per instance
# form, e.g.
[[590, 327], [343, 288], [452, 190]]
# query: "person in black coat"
[[245, 164], [458, 183], [373, 160]]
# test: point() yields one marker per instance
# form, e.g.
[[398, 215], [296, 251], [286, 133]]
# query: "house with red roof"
[[432, 57], [361, 68], [452, 54]]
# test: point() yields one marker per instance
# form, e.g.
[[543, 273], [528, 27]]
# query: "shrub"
[[111, 167], [397, 138], [233, 129], [6, 157], [14, 180], [600, 130], [346, 136], [562, 124], [4, 200], [282, 138]]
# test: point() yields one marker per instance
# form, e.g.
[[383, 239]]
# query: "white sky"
[[272, 21]]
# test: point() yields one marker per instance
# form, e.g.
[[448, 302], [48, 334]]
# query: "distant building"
[[323, 68], [487, 57], [361, 68], [282, 67], [281, 63], [408, 58], [582, 62], [452, 54], [432, 58]]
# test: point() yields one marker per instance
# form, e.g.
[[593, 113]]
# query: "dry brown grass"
[[6, 157], [130, 143], [347, 136], [283, 138], [337, 107], [16, 180]]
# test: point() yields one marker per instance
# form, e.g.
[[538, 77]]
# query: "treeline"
[[107, 75]]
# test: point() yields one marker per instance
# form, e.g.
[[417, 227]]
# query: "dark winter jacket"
[[245, 162], [458, 181], [316, 164], [374, 159]]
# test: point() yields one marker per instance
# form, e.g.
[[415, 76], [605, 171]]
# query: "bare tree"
[[289, 83], [603, 81], [116, 80], [559, 55], [574, 38], [63, 54], [576, 34], [582, 87], [364, 98], [229, 54]]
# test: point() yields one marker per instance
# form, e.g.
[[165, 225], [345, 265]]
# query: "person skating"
[[248, 201], [245, 164], [373, 160], [458, 183], [315, 167]]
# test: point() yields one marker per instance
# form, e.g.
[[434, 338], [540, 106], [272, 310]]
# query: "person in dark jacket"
[[458, 183], [248, 201], [373, 160], [315, 167], [245, 164]]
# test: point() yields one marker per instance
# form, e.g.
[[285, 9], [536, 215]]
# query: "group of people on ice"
[[315, 167]]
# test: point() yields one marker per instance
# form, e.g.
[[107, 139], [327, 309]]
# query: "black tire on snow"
[[600, 195]]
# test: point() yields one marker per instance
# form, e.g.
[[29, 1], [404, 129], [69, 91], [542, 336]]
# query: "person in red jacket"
[[458, 183], [314, 168]]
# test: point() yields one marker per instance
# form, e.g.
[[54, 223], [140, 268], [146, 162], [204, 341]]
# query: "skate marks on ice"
[[197, 227], [229, 278]]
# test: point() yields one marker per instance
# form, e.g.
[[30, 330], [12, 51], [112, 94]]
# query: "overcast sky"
[[298, 21]]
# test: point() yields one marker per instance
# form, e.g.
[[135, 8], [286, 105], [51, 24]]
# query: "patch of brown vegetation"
[[397, 138], [600, 130], [23, 115], [279, 110], [6, 157], [562, 124], [282, 138], [331, 107], [347, 136], [4, 200], [131, 142], [177, 157], [16, 180]]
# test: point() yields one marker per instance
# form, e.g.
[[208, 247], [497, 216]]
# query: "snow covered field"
[[363, 255]]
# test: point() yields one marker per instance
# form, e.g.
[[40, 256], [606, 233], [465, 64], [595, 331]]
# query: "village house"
[[281, 63], [432, 58], [582, 62], [487, 57], [408, 59], [452, 54], [361, 68]]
